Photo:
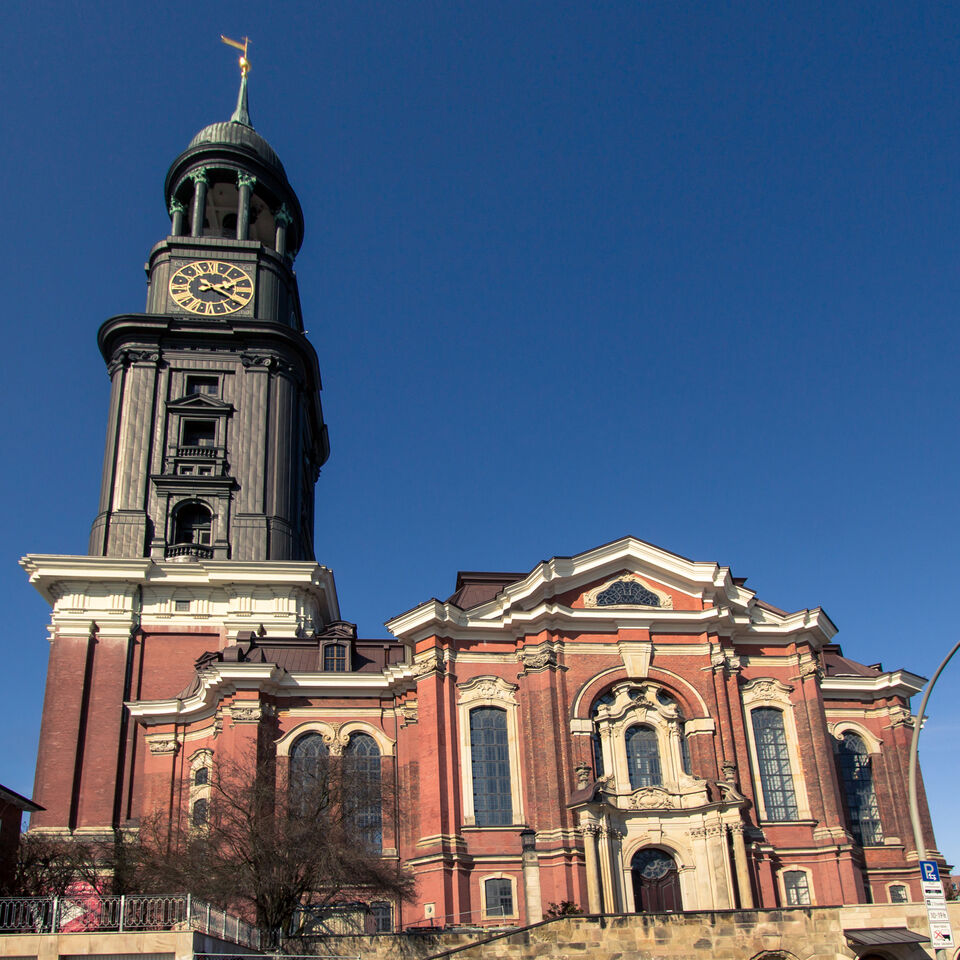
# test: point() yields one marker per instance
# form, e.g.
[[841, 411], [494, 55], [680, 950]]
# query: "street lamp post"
[[912, 777]]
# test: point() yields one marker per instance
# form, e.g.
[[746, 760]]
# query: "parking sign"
[[929, 871]]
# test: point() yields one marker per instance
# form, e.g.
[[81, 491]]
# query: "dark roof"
[[13, 798], [236, 134], [877, 936], [479, 586], [835, 664]]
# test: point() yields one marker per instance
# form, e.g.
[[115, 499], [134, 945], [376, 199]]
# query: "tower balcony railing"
[[86, 912], [199, 452], [188, 552]]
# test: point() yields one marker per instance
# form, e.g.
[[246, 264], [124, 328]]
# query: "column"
[[531, 876], [245, 184], [742, 868], [200, 184], [283, 220], [177, 212], [594, 901]]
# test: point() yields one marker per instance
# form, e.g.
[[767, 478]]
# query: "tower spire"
[[241, 113]]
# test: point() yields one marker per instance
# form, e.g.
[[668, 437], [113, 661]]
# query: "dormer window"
[[335, 658]]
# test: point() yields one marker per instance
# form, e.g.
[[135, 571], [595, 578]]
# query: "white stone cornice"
[[529, 604], [219, 680], [235, 595], [894, 683]]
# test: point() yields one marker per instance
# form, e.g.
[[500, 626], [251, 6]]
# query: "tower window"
[[490, 765], [898, 893], [643, 757], [194, 524], [181, 606], [335, 657], [199, 433], [773, 759], [210, 386]]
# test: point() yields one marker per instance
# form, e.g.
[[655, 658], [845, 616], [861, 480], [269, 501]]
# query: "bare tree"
[[274, 837]]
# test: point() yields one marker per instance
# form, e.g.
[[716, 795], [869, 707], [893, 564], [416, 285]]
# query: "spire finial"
[[241, 114]]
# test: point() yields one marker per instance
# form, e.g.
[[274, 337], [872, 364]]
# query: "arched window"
[[643, 757], [490, 766], [309, 757], [335, 657], [201, 776], [773, 760], [201, 812], [193, 524], [362, 775], [856, 777], [627, 592]]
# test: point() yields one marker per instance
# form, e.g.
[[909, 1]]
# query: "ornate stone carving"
[[901, 716], [246, 180], [487, 688], [409, 713], [811, 667], [721, 659], [537, 658], [283, 216], [583, 771], [163, 746], [176, 207], [766, 688], [653, 798], [246, 713], [199, 175], [430, 664]]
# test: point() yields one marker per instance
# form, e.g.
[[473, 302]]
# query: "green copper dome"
[[236, 134]]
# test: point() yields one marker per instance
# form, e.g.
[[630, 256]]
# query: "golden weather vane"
[[242, 47]]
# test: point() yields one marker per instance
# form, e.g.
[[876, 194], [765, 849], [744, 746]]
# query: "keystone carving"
[[487, 688], [652, 798]]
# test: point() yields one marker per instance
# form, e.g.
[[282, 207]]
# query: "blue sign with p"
[[929, 871]]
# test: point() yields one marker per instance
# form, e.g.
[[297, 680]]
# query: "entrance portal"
[[656, 882]]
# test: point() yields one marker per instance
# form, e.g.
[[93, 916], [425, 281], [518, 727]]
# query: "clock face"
[[211, 287]]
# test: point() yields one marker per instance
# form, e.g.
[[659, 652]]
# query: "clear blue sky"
[[573, 271]]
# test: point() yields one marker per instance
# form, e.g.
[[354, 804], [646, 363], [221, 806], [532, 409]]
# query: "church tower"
[[215, 434], [215, 438]]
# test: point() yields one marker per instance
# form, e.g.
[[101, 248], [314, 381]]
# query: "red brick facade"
[[689, 657]]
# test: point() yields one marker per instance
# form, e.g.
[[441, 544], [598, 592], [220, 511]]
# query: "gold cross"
[[242, 47]]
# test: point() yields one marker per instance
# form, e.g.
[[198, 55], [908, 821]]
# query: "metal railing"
[[88, 912]]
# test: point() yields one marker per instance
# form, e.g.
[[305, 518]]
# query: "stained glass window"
[[776, 778], [856, 776], [490, 765], [652, 864], [498, 894], [335, 657], [627, 592], [797, 888], [201, 776], [362, 757], [643, 757]]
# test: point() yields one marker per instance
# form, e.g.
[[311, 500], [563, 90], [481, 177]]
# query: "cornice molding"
[[528, 605], [893, 683]]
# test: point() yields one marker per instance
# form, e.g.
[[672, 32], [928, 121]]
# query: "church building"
[[625, 729]]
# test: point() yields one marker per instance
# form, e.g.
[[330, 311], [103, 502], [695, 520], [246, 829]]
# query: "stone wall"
[[803, 933]]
